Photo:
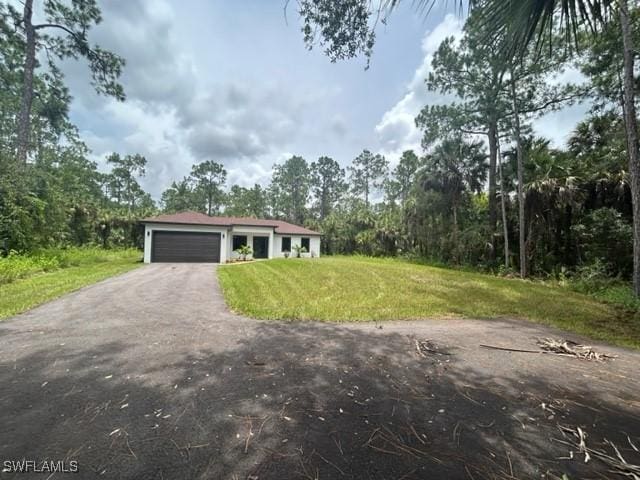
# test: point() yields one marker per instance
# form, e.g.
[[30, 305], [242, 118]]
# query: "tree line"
[[50, 192], [485, 191], [507, 49]]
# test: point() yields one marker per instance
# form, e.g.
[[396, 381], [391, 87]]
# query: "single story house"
[[196, 237]]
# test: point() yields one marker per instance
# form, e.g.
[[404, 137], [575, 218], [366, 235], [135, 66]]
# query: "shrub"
[[244, 251], [16, 266], [606, 241], [592, 278], [299, 249]]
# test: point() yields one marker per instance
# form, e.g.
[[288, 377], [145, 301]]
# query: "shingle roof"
[[197, 218]]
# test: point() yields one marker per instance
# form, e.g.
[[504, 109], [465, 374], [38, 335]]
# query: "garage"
[[168, 246]]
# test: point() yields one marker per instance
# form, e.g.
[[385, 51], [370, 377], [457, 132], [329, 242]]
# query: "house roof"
[[197, 218]]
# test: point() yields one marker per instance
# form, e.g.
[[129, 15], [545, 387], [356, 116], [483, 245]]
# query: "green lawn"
[[37, 288], [362, 289]]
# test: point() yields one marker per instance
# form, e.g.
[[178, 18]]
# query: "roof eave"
[[164, 222], [310, 234], [226, 225]]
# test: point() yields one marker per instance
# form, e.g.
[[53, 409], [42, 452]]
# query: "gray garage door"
[[185, 247]]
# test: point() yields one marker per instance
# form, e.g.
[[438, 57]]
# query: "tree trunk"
[[493, 154], [520, 169], [630, 121], [503, 206], [366, 192], [27, 85], [454, 207]]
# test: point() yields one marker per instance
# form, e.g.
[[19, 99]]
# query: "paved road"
[[148, 375]]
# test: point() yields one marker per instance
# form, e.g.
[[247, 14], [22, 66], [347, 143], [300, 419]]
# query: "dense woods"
[[503, 73], [485, 191]]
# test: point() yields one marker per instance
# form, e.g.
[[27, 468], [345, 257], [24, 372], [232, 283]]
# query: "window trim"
[[233, 240], [282, 249]]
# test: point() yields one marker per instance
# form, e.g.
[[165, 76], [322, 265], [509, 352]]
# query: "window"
[[304, 243], [286, 244], [238, 241]]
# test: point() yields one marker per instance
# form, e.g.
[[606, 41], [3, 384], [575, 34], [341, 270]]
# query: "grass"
[[365, 289], [30, 280], [614, 292]]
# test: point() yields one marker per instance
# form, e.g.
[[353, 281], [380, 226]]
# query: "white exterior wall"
[[314, 245], [150, 227], [226, 240]]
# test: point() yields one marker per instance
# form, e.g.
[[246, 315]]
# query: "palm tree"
[[527, 21], [455, 168], [518, 24], [347, 30], [553, 196]]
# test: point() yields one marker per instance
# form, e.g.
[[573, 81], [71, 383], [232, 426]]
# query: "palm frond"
[[520, 23]]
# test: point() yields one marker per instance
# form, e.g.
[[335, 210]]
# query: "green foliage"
[[341, 27], [122, 185], [435, 207], [64, 34], [247, 202], [367, 173], [16, 266], [180, 197], [327, 184], [603, 62], [347, 28], [289, 190], [605, 239], [500, 67], [59, 198], [77, 268], [398, 187], [616, 293], [244, 251], [208, 182], [299, 249]]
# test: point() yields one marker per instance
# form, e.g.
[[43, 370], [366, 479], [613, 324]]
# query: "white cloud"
[[246, 93], [396, 130], [558, 125], [176, 117], [152, 131]]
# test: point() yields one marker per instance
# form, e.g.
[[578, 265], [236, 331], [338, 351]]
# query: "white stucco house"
[[196, 237]]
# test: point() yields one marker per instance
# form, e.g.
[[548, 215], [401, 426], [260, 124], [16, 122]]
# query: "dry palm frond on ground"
[[560, 347], [576, 438], [567, 347]]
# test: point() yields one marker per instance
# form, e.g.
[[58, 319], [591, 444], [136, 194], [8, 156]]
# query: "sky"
[[233, 82]]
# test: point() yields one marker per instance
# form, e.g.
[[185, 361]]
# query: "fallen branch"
[[249, 435], [493, 347], [617, 463], [565, 348], [330, 463]]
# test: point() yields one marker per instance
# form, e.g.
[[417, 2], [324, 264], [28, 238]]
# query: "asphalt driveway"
[[148, 375]]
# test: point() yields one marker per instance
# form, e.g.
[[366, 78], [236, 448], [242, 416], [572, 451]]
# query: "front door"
[[260, 247]]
